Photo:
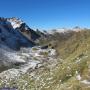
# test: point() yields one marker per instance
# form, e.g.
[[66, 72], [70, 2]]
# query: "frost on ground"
[[31, 59], [36, 61], [85, 82]]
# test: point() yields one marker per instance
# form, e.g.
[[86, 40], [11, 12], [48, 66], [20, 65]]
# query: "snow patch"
[[78, 77], [85, 82], [15, 22], [14, 57]]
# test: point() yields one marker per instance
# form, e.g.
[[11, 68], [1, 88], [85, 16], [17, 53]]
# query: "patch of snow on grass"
[[11, 73], [85, 82], [14, 57], [78, 77]]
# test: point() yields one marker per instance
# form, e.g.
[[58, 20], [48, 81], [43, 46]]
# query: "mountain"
[[22, 27], [14, 35], [49, 60], [11, 37]]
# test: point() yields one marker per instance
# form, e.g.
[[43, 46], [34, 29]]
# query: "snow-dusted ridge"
[[15, 22], [64, 30]]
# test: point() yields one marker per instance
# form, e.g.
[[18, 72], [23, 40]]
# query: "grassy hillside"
[[74, 50]]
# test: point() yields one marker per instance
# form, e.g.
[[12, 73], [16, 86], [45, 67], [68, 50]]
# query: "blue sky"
[[48, 14]]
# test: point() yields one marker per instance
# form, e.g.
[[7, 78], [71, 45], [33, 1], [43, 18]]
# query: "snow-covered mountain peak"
[[15, 22]]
